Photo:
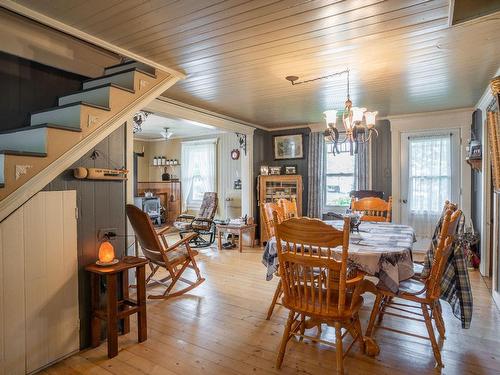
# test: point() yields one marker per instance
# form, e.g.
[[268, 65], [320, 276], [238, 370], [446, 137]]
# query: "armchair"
[[202, 224]]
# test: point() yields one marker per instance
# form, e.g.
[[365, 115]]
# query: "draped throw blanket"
[[316, 173]]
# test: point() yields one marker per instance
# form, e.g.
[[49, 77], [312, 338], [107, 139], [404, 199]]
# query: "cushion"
[[182, 225]]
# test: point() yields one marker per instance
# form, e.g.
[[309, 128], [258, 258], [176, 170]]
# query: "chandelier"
[[356, 131]]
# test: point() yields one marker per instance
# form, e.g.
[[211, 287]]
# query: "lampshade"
[[370, 117], [106, 252], [330, 117], [357, 114]]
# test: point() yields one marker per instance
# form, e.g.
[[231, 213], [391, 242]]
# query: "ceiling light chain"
[[356, 131]]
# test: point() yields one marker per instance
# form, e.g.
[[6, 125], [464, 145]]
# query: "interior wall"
[[101, 205], [30, 86], [228, 170], [381, 159]]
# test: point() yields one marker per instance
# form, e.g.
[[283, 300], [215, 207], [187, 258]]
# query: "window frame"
[[335, 208]]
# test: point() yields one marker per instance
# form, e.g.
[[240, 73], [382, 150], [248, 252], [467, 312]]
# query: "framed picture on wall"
[[288, 146]]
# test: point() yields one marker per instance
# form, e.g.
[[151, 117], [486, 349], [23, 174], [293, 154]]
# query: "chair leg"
[[373, 316], [277, 294], [284, 339], [432, 337], [302, 326], [359, 331], [339, 348], [385, 301], [438, 318]]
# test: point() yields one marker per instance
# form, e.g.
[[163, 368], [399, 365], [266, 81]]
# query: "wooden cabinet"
[[272, 188], [169, 193]]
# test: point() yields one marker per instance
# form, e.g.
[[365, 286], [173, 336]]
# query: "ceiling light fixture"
[[356, 131], [166, 134]]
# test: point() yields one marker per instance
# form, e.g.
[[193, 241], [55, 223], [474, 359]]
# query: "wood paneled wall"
[[101, 205], [381, 159], [263, 155], [38, 283], [27, 86]]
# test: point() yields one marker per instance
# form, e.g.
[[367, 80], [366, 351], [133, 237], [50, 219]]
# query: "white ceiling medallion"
[[22, 170], [92, 120]]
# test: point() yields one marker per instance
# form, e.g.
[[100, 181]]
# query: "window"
[[198, 171], [339, 178], [429, 173]]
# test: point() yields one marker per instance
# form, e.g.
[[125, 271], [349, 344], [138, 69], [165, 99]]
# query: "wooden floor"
[[220, 328]]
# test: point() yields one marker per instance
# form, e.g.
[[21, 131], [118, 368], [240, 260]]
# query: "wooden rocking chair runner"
[[374, 209], [175, 259], [289, 207], [332, 298], [424, 293], [269, 224]]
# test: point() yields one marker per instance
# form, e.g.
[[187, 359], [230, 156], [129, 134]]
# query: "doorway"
[[430, 175]]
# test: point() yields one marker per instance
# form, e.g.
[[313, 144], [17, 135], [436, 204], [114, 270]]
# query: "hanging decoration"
[[356, 131]]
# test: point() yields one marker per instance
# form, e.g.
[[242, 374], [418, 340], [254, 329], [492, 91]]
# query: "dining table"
[[379, 249]]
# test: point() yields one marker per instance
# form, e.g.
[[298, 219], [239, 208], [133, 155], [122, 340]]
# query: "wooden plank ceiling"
[[402, 55]]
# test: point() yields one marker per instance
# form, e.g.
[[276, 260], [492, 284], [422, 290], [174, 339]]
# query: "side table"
[[118, 309], [236, 229]]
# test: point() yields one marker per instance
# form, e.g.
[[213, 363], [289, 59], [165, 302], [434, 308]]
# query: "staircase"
[[32, 156]]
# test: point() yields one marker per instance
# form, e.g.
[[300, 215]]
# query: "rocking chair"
[[175, 258], [202, 224]]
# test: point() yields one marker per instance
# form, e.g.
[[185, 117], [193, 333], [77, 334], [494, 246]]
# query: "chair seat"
[[182, 225], [410, 286]]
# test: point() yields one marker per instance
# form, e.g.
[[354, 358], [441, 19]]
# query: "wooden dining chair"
[[305, 249], [418, 266], [373, 208], [289, 207], [175, 259], [424, 293], [269, 208]]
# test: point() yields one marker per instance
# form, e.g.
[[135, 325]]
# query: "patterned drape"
[[316, 173], [362, 167]]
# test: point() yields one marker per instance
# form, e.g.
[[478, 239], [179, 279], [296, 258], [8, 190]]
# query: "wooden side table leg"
[[112, 312], [219, 239], [95, 324], [240, 240], [125, 291], [142, 328]]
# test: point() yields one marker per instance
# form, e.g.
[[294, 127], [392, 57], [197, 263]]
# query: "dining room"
[[250, 187]]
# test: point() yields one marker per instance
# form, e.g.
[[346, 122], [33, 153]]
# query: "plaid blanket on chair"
[[455, 284]]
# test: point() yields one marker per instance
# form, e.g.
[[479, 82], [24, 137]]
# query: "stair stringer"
[[32, 183]]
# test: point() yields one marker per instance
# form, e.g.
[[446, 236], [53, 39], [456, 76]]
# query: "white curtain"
[[198, 171], [429, 184]]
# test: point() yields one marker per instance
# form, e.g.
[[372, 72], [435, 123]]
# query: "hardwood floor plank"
[[220, 328]]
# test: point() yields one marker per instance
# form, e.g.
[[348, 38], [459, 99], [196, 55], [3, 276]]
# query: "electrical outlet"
[[103, 231]]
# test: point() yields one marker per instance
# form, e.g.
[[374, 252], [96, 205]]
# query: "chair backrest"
[[208, 206], [269, 208], [359, 194], [145, 233], [374, 209], [312, 274], [442, 252], [289, 207]]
